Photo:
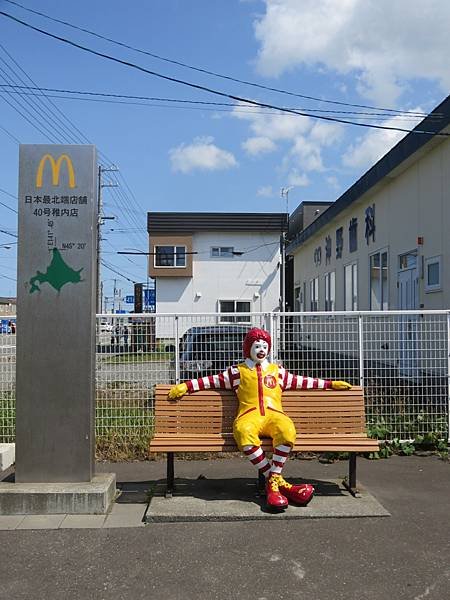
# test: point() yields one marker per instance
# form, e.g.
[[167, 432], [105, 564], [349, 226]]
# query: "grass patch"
[[115, 447]]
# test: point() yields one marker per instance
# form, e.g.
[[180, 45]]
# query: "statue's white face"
[[259, 351]]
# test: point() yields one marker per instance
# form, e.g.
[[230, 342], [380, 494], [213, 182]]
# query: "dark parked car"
[[211, 349]]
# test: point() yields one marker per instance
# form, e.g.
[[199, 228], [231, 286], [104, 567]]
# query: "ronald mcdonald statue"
[[258, 385]]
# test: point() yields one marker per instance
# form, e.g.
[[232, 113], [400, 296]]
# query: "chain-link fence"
[[400, 358]]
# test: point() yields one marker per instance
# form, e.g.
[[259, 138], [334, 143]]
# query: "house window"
[[235, 306], [379, 281], [222, 252], [170, 256], [433, 274], [330, 290], [314, 294], [351, 286]]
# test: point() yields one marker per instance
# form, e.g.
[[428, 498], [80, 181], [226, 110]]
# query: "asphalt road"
[[402, 557]]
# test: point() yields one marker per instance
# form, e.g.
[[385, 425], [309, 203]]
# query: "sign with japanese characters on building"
[[56, 290]]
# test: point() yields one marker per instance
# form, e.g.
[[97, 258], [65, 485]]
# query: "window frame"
[[435, 287], [354, 299], [384, 300], [230, 319], [330, 286], [222, 254], [314, 294], [175, 254]]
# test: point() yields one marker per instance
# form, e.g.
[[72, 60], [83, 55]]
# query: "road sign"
[[129, 299], [150, 299]]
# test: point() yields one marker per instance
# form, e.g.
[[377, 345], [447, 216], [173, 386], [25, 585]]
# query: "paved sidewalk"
[[404, 556]]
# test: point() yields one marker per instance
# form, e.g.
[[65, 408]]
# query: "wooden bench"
[[325, 420]]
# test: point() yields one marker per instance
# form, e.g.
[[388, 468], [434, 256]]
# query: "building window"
[[330, 290], [379, 281], [433, 274], [170, 256], [222, 252], [314, 293], [351, 286], [235, 306], [353, 235]]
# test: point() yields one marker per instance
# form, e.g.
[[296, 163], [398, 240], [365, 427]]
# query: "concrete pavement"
[[404, 556]]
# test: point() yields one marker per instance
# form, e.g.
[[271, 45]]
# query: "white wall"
[[413, 203], [254, 276]]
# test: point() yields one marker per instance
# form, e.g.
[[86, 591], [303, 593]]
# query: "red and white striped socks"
[[257, 457], [279, 457]]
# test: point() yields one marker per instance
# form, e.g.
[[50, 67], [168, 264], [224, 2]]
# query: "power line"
[[5, 205], [197, 104], [8, 233], [208, 72], [217, 92], [66, 132], [13, 137], [117, 272]]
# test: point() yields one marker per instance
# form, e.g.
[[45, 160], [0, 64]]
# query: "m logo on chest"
[[270, 381]]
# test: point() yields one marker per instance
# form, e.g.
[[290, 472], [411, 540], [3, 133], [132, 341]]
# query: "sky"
[[370, 61]]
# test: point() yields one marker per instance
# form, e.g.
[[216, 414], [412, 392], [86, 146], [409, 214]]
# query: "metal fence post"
[[448, 376], [274, 335], [177, 350], [361, 350]]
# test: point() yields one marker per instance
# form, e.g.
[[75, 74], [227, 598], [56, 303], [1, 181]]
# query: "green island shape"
[[58, 274]]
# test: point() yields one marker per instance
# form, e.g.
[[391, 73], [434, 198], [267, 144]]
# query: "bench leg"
[[170, 475], [350, 483], [261, 485]]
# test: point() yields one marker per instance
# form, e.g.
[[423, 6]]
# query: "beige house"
[[385, 243]]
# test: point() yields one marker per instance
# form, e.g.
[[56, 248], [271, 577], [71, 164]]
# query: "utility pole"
[[101, 218], [284, 192]]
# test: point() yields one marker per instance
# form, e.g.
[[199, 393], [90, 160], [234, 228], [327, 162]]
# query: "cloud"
[[258, 145], [201, 155], [383, 43], [302, 138], [297, 179], [370, 147], [265, 191]]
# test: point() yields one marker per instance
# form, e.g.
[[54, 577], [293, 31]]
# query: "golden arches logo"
[[56, 168]]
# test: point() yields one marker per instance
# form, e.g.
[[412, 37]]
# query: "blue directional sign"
[[129, 299], [150, 299]]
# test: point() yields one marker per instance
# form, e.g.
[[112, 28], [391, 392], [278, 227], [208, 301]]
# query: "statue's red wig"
[[252, 336]]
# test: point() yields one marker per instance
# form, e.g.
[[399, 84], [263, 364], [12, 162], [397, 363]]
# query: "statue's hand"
[[340, 385], [178, 391]]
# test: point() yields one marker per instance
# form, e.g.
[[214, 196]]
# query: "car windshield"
[[217, 343]]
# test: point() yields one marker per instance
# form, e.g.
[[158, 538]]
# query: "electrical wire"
[[63, 128], [204, 106], [13, 137], [416, 130], [208, 72]]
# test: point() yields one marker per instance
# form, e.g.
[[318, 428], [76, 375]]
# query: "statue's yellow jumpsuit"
[[259, 388]]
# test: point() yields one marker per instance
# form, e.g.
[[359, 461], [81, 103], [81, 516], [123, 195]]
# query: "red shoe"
[[299, 494], [273, 497]]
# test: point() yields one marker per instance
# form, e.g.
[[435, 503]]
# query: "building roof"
[[401, 154], [191, 222], [6, 300]]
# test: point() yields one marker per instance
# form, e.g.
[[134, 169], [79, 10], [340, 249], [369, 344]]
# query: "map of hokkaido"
[[58, 273]]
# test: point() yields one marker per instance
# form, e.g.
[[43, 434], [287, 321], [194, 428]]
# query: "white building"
[[385, 243], [216, 262]]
